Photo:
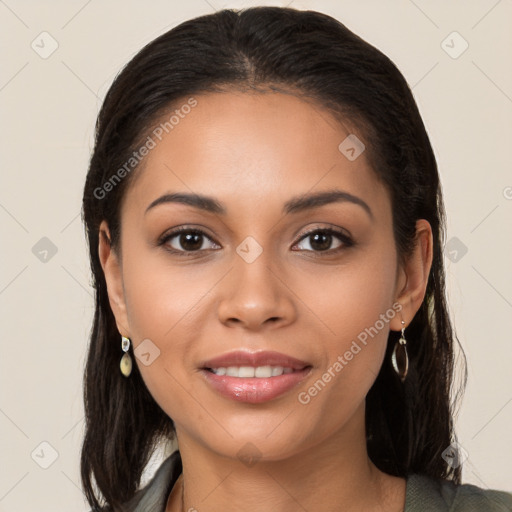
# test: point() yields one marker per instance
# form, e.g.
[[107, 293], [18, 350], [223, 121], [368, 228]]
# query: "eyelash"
[[345, 239]]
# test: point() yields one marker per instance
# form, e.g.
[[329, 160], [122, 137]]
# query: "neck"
[[333, 475]]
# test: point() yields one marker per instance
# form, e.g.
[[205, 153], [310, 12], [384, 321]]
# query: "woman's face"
[[256, 271]]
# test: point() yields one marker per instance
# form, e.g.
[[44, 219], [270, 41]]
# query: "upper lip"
[[262, 358]]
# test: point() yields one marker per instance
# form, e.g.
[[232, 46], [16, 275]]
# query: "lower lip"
[[254, 390]]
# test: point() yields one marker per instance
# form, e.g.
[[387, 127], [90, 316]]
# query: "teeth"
[[249, 371], [277, 370]]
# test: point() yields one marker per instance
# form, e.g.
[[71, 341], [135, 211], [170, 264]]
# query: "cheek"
[[355, 304], [166, 304], [350, 299], [160, 296]]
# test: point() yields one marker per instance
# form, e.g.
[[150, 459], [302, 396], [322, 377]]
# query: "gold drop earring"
[[126, 360]]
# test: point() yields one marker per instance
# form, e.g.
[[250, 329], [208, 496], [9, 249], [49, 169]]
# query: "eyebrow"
[[294, 205]]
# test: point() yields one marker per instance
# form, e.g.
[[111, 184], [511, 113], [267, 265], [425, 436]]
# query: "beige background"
[[48, 108]]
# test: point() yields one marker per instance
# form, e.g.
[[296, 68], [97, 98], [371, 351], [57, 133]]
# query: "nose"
[[256, 296]]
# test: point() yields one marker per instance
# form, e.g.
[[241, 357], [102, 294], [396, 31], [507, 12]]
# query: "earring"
[[126, 360], [399, 358]]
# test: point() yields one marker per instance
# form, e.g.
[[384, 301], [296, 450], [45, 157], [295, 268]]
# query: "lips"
[[254, 389]]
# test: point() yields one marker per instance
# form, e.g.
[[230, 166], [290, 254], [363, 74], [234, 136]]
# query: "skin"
[[253, 152]]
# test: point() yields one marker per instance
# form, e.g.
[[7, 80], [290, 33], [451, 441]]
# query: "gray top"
[[423, 494]]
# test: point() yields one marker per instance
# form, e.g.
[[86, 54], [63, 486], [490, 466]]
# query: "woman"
[[266, 223]]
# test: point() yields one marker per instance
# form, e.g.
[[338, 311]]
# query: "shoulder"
[[153, 496], [424, 493]]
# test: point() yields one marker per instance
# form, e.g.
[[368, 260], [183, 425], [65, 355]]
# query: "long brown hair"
[[408, 425]]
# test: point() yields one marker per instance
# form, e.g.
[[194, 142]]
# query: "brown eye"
[[190, 241], [321, 240], [187, 240]]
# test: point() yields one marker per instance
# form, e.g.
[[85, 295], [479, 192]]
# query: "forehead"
[[245, 147]]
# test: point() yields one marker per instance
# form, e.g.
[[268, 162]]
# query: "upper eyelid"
[[336, 231]]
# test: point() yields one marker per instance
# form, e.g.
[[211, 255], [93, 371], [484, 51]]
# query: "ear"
[[111, 265], [412, 278]]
